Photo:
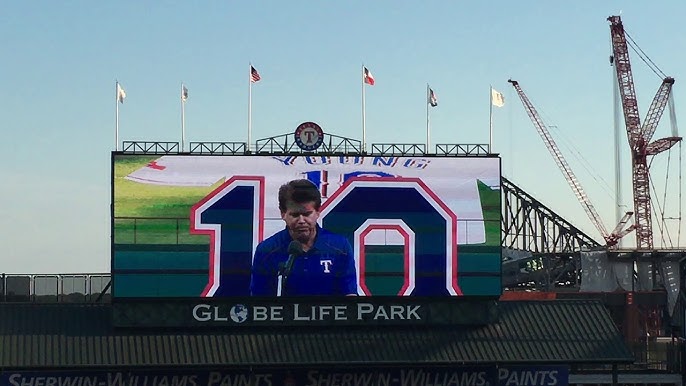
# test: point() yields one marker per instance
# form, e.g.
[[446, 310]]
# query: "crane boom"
[[662, 144], [564, 166], [657, 107], [639, 136], [620, 51]]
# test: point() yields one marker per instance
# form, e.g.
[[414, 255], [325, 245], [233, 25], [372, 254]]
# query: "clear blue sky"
[[60, 60]]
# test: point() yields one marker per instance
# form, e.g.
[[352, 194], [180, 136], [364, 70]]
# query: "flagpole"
[[364, 129], [116, 115], [183, 120], [249, 106], [428, 122], [490, 120]]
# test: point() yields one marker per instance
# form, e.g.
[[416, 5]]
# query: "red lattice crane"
[[612, 238], [639, 136]]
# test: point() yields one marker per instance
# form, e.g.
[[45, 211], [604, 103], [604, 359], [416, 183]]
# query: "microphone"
[[295, 249]]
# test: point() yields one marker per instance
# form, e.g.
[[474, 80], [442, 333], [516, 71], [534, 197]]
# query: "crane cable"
[[566, 143], [659, 208], [678, 237], [675, 133], [644, 57], [662, 224], [649, 62]]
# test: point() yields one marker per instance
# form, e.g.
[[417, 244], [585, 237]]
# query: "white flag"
[[121, 94], [497, 98]]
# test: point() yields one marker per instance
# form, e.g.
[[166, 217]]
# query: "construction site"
[[654, 273]]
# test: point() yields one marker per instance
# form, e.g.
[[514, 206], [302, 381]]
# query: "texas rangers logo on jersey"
[[309, 136], [326, 264]]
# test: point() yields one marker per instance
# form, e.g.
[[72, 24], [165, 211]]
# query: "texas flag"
[[368, 77]]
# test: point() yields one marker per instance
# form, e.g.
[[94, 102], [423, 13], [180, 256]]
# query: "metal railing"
[[153, 147], [285, 143], [58, 288], [218, 148], [664, 355], [463, 149]]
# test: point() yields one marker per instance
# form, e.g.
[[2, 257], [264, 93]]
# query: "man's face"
[[301, 221]]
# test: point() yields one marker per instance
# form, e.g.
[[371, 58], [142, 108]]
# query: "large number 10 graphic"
[[233, 217]]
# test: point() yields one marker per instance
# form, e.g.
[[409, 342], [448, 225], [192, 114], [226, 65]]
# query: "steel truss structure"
[[228, 148], [542, 251], [540, 248], [150, 147], [285, 144], [529, 225], [639, 134], [468, 149]]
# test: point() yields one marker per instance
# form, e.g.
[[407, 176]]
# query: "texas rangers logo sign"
[[309, 136]]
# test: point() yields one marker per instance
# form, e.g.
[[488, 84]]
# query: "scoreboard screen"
[[187, 226]]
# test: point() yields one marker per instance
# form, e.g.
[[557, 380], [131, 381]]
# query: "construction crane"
[[611, 238], [639, 136]]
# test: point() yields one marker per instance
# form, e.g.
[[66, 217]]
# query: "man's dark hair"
[[299, 192]]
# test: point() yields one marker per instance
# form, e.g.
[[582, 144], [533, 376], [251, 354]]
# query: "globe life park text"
[[295, 312]]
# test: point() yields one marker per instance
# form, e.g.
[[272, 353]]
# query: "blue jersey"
[[328, 268]]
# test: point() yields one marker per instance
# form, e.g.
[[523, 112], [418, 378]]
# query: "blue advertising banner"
[[419, 376]]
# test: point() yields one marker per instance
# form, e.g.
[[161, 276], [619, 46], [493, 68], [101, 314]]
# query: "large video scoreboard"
[[424, 231]]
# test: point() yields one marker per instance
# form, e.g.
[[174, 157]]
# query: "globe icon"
[[239, 313]]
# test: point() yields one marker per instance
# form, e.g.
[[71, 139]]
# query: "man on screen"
[[303, 258]]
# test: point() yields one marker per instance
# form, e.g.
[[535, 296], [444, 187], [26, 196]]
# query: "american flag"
[[184, 93], [254, 75], [433, 99]]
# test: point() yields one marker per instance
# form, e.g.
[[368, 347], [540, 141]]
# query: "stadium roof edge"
[[78, 335]]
